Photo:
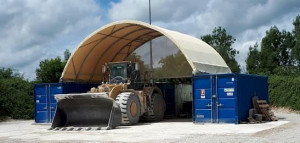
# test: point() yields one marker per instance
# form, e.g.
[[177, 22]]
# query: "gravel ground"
[[287, 129], [287, 133]]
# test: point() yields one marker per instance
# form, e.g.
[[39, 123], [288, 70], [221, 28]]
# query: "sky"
[[34, 30]]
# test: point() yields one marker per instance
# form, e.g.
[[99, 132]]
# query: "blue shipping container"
[[45, 103], [226, 98]]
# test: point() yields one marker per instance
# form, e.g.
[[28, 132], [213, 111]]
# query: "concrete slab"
[[167, 130]]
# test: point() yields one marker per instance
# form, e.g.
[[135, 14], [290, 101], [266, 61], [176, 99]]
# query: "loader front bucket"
[[86, 110]]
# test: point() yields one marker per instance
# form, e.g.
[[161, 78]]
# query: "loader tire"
[[130, 108], [158, 106]]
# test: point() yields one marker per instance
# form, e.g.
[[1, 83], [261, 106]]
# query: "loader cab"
[[123, 72], [118, 72]]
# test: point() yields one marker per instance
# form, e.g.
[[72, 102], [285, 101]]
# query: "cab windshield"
[[118, 72]]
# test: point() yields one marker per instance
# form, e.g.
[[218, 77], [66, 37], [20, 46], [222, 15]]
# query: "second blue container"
[[226, 97]]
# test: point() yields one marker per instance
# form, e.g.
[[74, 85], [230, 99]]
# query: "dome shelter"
[[116, 41]]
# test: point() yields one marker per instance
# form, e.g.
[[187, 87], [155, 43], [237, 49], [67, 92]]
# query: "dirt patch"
[[4, 118], [284, 110]]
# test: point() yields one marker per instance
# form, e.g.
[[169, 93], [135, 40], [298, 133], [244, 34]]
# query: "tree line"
[[279, 52]]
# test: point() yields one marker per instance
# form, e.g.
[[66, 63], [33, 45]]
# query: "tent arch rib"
[[108, 42]]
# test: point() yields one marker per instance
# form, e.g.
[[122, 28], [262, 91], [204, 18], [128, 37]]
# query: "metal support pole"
[[151, 60], [149, 11]]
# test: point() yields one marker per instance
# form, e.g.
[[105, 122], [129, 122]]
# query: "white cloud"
[[247, 21], [32, 30], [162, 10]]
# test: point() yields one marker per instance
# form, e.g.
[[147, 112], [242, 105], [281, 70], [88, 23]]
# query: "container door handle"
[[208, 105], [220, 105]]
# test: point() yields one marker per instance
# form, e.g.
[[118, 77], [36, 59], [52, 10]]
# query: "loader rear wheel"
[[159, 106], [130, 108]]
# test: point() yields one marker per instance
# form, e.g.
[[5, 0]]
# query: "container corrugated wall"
[[226, 97], [45, 103]]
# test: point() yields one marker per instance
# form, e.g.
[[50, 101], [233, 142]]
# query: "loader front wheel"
[[130, 108]]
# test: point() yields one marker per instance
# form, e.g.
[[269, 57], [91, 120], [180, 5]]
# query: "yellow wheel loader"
[[123, 100]]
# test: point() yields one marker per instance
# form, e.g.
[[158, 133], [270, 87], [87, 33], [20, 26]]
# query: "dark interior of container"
[[178, 96]]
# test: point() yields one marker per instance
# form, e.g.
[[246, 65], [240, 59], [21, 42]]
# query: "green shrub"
[[285, 91], [16, 98]]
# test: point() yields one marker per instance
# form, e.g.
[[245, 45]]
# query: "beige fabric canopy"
[[116, 41]]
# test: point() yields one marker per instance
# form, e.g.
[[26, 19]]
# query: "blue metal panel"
[[226, 104], [40, 100], [45, 103], [249, 86], [202, 96], [227, 115], [202, 82], [226, 81], [231, 96], [53, 89], [202, 115]]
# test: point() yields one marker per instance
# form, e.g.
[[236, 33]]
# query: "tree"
[[168, 69], [6, 73], [253, 60], [67, 55], [276, 49], [280, 52], [285, 50], [296, 32], [137, 58], [222, 42], [16, 96], [49, 71]]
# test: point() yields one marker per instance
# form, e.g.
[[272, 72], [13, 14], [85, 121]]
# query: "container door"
[[202, 98], [225, 101], [41, 106], [215, 99], [53, 89]]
